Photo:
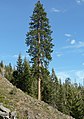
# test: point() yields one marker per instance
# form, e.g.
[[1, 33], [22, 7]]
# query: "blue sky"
[[67, 23]]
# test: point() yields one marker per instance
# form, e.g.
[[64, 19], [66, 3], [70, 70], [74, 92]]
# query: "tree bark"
[[39, 65], [39, 89]]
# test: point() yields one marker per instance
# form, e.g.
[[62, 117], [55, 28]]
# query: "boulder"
[[5, 113]]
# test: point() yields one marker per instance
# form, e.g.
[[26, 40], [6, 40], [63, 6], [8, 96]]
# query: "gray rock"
[[13, 115], [5, 113], [4, 109]]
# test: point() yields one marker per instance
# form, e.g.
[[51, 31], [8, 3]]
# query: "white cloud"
[[75, 45], [80, 44], [22, 56], [83, 63], [70, 40], [75, 76], [59, 54], [80, 75], [73, 42], [62, 76], [79, 1], [67, 35], [56, 10]]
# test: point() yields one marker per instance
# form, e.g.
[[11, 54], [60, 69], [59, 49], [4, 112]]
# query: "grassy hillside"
[[26, 106]]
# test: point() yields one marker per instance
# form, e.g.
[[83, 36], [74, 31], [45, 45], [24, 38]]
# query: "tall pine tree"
[[39, 41]]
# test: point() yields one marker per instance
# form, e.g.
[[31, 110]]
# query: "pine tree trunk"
[[39, 89], [39, 65]]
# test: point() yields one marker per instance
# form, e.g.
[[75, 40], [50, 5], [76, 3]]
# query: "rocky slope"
[[26, 106]]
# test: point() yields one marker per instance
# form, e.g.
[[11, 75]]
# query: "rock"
[[4, 109], [13, 115], [5, 113]]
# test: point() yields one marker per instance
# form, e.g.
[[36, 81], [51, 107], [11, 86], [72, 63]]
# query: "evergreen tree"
[[39, 41], [54, 77], [60, 97], [1, 64], [77, 108], [19, 65], [46, 86], [8, 72], [18, 73], [54, 87], [27, 77], [2, 70]]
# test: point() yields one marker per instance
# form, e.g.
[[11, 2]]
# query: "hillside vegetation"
[[26, 106]]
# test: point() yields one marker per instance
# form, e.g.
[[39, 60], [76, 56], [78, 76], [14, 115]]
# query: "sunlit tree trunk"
[[39, 66]]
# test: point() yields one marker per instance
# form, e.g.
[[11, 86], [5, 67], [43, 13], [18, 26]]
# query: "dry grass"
[[25, 105]]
